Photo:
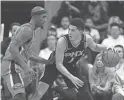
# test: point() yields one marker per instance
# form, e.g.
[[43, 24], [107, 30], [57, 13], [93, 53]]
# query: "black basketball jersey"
[[72, 54]]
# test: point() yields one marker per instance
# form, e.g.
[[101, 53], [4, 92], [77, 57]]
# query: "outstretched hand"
[[76, 81]]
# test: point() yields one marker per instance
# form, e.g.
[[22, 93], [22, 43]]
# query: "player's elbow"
[[13, 49], [93, 48], [58, 65]]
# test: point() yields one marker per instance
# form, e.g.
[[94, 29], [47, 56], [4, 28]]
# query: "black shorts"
[[50, 74], [83, 92]]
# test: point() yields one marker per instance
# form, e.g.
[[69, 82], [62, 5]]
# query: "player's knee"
[[20, 96]]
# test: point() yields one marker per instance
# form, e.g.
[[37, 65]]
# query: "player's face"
[[41, 19], [115, 31], [65, 22], [51, 41], [14, 29], [74, 33], [119, 50], [99, 63]]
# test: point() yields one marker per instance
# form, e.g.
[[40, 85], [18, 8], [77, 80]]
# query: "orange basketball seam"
[[104, 62], [107, 58], [113, 57]]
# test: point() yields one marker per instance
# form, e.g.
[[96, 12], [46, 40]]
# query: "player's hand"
[[107, 48], [76, 81]]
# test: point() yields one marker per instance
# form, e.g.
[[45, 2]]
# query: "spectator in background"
[[115, 38], [114, 19], [64, 26], [51, 44], [89, 52], [120, 50], [44, 71], [98, 11], [67, 8], [50, 48], [96, 37], [118, 86], [14, 27], [100, 79], [93, 32], [52, 30], [50, 71], [5, 43]]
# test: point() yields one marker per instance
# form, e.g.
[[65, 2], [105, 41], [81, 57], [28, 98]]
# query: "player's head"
[[14, 27], [120, 50], [39, 15], [76, 28], [65, 22], [115, 30]]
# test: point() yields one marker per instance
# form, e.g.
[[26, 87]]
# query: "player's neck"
[[32, 22]]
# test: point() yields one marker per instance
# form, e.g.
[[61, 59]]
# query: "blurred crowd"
[[105, 83]]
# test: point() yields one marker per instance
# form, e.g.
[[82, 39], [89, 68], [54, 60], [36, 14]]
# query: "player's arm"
[[23, 36], [61, 46], [34, 57], [94, 46]]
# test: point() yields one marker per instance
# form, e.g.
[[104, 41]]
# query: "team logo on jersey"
[[73, 55]]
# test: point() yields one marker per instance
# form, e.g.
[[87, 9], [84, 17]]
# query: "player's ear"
[[35, 17]]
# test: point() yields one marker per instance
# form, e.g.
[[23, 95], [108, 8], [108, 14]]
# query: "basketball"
[[110, 58]]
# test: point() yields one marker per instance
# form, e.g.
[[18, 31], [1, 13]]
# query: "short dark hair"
[[78, 22], [15, 23], [38, 11], [114, 24]]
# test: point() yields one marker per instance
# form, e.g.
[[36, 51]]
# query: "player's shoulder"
[[61, 39], [24, 32], [26, 27], [61, 42]]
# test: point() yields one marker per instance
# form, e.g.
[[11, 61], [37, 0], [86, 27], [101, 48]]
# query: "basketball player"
[[24, 38], [70, 48]]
